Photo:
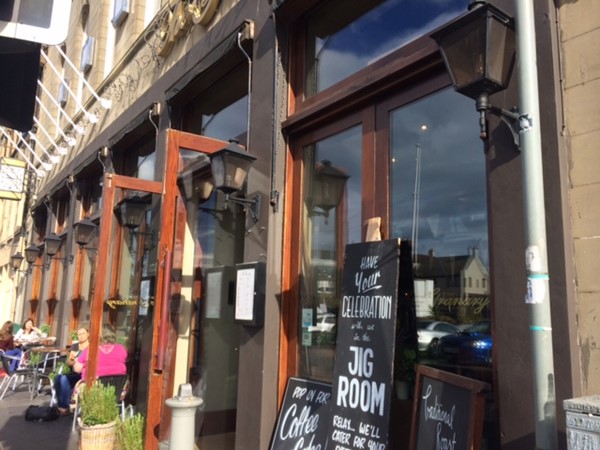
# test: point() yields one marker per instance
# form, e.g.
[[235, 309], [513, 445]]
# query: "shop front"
[[353, 133]]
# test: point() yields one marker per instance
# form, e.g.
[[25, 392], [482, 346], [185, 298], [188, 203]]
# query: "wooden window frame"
[[405, 75]]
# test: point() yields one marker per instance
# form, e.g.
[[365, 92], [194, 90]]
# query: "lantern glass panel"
[[16, 260], [31, 253], [84, 231], [53, 243], [230, 169]]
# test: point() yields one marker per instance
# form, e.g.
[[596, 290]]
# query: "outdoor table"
[[28, 344]]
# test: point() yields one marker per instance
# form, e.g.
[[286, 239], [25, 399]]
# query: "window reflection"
[[439, 199], [344, 38], [332, 220]]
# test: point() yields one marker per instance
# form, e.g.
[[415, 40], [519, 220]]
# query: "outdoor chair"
[[24, 373], [121, 384]]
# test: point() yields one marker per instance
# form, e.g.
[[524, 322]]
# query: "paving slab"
[[18, 434]]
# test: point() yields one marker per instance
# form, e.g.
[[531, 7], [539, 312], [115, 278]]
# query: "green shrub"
[[98, 405], [62, 368], [130, 433]]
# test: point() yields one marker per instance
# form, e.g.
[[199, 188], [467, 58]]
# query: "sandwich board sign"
[[362, 377]]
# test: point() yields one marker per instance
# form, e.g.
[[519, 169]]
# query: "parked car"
[[430, 332], [473, 346]]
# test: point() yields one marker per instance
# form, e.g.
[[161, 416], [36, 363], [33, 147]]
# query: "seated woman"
[[63, 396], [28, 332], [7, 345], [111, 361]]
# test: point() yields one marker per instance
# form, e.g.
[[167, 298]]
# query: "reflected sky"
[[385, 28], [452, 210]]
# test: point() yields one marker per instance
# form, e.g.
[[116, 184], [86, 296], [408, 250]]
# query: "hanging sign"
[[362, 378], [12, 178], [303, 417]]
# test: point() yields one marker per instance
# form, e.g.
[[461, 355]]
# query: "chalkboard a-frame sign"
[[303, 417], [448, 411]]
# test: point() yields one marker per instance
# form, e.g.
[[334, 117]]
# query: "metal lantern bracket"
[[68, 259], [516, 123], [252, 205]]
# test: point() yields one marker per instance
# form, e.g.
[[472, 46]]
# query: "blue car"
[[473, 346]]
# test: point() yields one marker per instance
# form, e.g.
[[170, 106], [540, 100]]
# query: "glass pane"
[[129, 302], [228, 123], [438, 194], [213, 243], [345, 37], [332, 219]]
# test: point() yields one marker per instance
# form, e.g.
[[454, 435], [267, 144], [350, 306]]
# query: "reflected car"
[[325, 322], [472, 346], [431, 331]]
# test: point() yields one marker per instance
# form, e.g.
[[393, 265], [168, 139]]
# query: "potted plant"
[[130, 433], [99, 413], [45, 330]]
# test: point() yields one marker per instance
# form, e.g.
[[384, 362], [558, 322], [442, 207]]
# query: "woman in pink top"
[[111, 359], [111, 356]]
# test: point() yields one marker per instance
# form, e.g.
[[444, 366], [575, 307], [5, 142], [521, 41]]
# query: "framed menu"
[[250, 293]]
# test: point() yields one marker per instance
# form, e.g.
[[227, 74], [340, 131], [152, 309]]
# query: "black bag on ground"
[[41, 413]]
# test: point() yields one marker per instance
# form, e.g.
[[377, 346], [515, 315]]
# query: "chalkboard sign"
[[362, 376], [303, 417], [448, 411]]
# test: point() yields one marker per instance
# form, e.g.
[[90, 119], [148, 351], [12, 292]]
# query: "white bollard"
[[183, 415]]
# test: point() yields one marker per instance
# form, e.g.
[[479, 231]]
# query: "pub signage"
[[362, 379], [303, 417]]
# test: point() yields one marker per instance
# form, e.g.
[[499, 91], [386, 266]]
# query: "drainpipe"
[[538, 293]]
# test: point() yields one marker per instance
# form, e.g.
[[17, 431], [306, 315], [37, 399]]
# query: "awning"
[[18, 82]]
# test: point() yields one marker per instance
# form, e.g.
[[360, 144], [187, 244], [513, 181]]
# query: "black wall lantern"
[[52, 244], [15, 262], [195, 180], [32, 252], [230, 167], [131, 214], [478, 49], [83, 232], [328, 187], [131, 211]]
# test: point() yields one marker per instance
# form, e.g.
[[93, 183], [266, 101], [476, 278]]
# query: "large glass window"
[[344, 38], [438, 201], [332, 219], [213, 243]]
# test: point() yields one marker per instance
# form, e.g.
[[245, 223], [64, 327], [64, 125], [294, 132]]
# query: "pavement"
[[18, 434]]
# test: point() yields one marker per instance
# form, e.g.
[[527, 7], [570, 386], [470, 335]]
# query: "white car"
[[430, 332], [325, 322]]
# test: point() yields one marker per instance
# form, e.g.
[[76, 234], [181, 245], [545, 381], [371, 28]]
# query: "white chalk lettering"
[[367, 395]]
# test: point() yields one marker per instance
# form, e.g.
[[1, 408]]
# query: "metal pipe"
[[239, 43], [538, 293]]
